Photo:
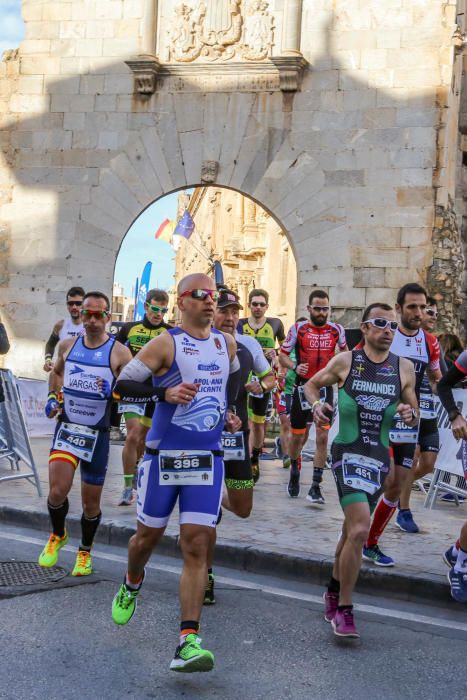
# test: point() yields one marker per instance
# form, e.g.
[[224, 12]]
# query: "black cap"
[[228, 298]]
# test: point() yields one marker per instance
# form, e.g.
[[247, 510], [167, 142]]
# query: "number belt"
[[215, 453], [100, 430]]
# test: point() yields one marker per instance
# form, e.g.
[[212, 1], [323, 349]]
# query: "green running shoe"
[[209, 597], [49, 555], [124, 603], [190, 657]]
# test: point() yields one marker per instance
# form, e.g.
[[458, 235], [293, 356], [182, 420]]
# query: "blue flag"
[[135, 305], [185, 226], [142, 291]]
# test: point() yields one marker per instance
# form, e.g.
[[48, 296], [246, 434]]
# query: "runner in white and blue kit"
[[194, 369], [86, 368]]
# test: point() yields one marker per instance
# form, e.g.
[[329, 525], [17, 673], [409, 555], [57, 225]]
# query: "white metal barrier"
[[14, 440]]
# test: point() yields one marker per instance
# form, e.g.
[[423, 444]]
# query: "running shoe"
[[307, 456], [209, 597], [268, 455], [314, 495], [286, 462], [449, 557], [124, 603], [83, 564], [331, 601], [49, 555], [458, 581], [343, 624], [293, 487], [190, 657], [451, 498], [375, 555], [127, 496], [279, 452], [406, 522]]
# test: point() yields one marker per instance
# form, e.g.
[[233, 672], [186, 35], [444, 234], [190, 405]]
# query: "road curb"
[[406, 585]]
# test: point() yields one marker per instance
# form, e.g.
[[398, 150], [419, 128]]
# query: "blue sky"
[[139, 245], [11, 24]]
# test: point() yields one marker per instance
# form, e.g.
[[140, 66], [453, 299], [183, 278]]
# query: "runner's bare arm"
[[434, 375], [51, 344], [409, 403], [120, 357], [56, 375], [154, 357], [335, 372]]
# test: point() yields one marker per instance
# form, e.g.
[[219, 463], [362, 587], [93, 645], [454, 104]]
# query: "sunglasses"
[[157, 309], [99, 315], [74, 303], [201, 294], [317, 309], [383, 323], [258, 303], [432, 313]]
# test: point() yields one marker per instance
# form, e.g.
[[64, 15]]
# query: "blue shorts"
[[198, 505], [92, 472]]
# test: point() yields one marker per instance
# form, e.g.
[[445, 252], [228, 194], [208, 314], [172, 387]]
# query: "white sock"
[[461, 564]]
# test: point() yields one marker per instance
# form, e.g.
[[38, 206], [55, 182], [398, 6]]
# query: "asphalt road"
[[268, 636]]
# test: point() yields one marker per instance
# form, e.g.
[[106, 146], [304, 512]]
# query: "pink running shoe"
[[343, 624], [331, 601]]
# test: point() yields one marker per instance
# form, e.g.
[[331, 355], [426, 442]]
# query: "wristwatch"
[[452, 415], [415, 415]]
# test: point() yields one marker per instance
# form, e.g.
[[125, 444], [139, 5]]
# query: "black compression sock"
[[317, 475], [334, 586], [88, 530], [57, 517], [255, 454]]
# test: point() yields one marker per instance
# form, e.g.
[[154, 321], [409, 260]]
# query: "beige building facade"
[[250, 245], [340, 118]]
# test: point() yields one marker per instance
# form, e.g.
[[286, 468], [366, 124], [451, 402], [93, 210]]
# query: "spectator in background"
[[4, 342], [451, 346]]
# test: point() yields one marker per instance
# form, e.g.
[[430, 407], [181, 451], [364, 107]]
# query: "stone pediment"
[[218, 46]]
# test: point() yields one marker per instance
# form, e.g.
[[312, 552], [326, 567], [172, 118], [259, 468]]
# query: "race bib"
[[305, 405], [179, 468], [131, 408], [79, 440], [233, 445], [427, 406], [401, 434], [361, 473]]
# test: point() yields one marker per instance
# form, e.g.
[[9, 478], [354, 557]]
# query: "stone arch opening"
[[230, 227]]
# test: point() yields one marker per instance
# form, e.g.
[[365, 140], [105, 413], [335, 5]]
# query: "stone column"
[[148, 27], [292, 25]]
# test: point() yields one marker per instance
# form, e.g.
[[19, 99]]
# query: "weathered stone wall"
[[444, 279], [352, 165]]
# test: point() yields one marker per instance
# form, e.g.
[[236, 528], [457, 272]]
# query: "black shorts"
[[348, 494], [300, 418], [403, 453], [258, 407], [428, 436], [237, 472], [149, 409]]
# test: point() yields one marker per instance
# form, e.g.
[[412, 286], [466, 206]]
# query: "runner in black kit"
[[428, 436], [456, 555], [372, 383], [268, 332], [238, 497], [422, 348]]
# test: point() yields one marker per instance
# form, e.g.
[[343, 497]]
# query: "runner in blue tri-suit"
[[86, 368], [190, 367]]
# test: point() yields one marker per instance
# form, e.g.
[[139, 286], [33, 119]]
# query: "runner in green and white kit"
[[372, 383]]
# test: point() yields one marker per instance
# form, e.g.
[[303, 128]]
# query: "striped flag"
[[165, 231]]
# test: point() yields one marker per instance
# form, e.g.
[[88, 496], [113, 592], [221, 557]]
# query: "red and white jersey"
[[314, 345], [422, 349]]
